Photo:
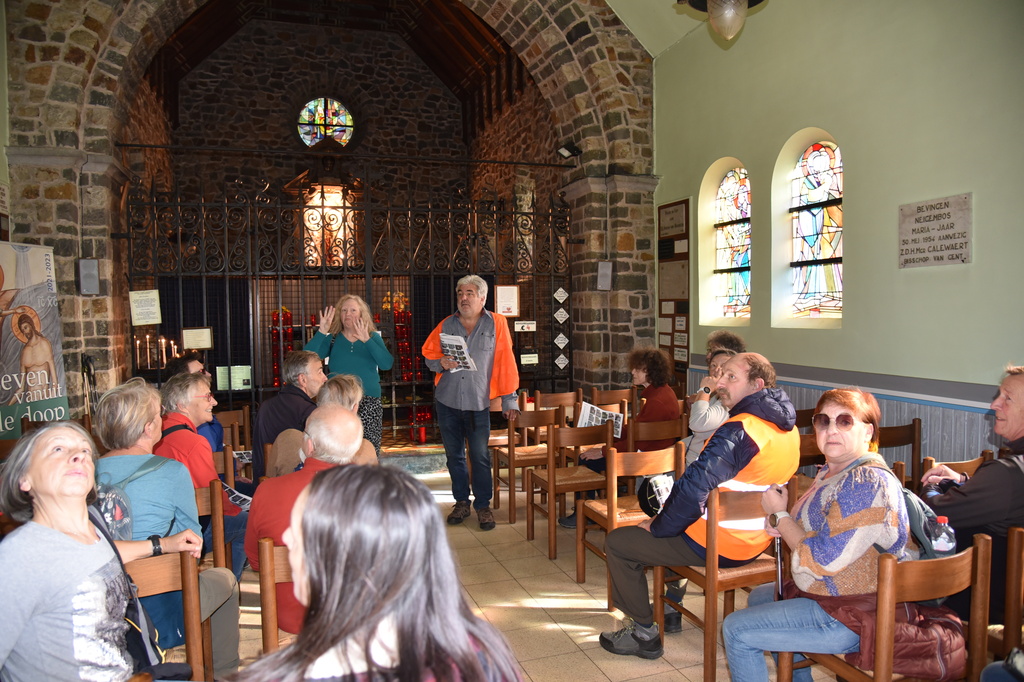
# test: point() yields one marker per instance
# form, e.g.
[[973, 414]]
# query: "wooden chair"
[[968, 466], [224, 464], [558, 479], [910, 581], [6, 446], [170, 573], [803, 418], [614, 510], [283, 456], [898, 436], [722, 505], [602, 397], [1002, 638], [274, 569], [810, 455], [210, 502], [549, 401], [531, 453], [238, 423], [640, 432]]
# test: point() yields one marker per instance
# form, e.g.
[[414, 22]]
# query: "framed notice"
[[674, 219], [145, 307], [197, 338], [506, 300]]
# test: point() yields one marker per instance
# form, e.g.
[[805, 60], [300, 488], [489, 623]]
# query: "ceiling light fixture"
[[726, 16]]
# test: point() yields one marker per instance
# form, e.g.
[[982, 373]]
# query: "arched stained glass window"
[[732, 244], [817, 210], [324, 117]]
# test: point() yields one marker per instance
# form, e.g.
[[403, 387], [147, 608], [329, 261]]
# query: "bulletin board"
[[674, 284]]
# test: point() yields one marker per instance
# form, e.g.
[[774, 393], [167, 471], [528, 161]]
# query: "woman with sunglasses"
[[853, 510]]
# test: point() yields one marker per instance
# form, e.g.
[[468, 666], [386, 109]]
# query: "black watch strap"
[[157, 549]]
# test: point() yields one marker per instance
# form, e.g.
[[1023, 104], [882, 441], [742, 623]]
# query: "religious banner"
[[32, 380]]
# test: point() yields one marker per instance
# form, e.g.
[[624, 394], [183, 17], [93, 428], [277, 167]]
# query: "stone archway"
[[74, 72]]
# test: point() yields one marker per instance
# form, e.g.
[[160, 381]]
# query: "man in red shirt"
[[187, 403], [333, 436]]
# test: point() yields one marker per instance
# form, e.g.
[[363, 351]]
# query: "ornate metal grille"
[[258, 266]]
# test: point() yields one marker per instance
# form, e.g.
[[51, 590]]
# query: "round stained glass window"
[[324, 117]]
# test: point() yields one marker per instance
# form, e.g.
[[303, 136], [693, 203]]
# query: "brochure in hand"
[[455, 347]]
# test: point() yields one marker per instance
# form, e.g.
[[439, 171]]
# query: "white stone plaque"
[[561, 295], [936, 232], [561, 361], [561, 340], [561, 315]]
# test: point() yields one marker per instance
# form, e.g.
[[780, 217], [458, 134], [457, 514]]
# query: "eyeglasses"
[[205, 396], [844, 422]]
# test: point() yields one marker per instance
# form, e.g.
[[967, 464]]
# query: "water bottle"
[[943, 538]]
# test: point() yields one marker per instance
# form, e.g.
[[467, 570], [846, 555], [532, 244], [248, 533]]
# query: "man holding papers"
[[471, 355]]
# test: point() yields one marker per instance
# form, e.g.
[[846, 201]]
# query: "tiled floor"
[[551, 622]]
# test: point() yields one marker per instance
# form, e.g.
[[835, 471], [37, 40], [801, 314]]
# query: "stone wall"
[[248, 94]]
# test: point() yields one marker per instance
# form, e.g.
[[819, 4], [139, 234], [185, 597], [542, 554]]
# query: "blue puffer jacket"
[[727, 452]]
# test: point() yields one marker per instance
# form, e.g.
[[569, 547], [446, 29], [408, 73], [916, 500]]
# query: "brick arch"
[[593, 71]]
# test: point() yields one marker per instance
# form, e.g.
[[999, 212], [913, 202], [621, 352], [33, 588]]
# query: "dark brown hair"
[[655, 362]]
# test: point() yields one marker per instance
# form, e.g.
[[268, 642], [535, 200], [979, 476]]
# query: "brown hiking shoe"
[[486, 518], [459, 513]]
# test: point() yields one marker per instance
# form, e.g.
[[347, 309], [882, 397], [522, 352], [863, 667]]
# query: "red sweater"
[[269, 516], [192, 450], [660, 405]]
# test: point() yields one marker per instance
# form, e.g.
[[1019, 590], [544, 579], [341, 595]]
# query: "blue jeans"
[[458, 427], [234, 534], [994, 672], [767, 625]]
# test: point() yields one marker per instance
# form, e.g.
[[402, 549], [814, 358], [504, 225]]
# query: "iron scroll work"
[[239, 262]]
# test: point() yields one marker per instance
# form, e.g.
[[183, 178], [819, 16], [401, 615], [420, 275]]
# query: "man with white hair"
[[332, 437], [463, 397]]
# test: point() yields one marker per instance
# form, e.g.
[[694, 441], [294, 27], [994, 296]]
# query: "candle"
[[149, 355], [163, 352], [138, 353], [174, 349]]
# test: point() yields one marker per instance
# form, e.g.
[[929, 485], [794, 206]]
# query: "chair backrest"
[[529, 421], [967, 466], [224, 464], [898, 436], [652, 463], [274, 568], [809, 452], [640, 432], [283, 456], [1014, 600], [602, 397], [6, 446], [170, 573], [561, 438], [915, 581], [569, 400], [210, 502], [803, 418], [728, 505], [242, 435]]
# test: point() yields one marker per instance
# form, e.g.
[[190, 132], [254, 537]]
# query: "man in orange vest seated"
[[755, 448], [333, 436]]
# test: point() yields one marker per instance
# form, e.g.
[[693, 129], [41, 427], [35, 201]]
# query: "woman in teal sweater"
[[347, 334]]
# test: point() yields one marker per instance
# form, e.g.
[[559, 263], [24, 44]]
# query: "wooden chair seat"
[[722, 505], [521, 451], [274, 569], [557, 480], [915, 581], [615, 511], [171, 573]]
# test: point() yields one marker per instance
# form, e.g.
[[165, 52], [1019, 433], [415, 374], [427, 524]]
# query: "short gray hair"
[[342, 389], [474, 281], [16, 502], [296, 363], [336, 432], [177, 390], [123, 412]]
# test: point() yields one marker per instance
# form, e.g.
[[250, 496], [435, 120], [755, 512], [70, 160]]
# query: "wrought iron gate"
[[256, 267]]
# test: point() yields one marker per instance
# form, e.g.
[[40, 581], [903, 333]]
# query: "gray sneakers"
[[634, 640], [460, 512]]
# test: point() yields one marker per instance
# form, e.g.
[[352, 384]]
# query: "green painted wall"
[[926, 100]]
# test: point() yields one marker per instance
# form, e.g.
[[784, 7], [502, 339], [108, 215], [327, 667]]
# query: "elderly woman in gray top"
[[64, 594]]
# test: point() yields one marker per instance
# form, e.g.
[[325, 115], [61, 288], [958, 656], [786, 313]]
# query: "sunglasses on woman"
[[844, 422]]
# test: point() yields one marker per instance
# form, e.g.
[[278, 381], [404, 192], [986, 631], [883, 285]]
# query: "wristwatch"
[[157, 549], [774, 518], [706, 390]]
